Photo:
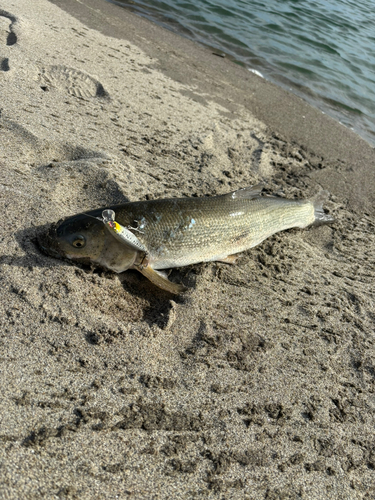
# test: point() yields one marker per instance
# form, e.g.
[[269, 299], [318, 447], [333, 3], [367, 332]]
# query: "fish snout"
[[48, 241]]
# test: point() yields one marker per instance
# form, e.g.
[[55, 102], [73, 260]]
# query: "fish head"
[[85, 239]]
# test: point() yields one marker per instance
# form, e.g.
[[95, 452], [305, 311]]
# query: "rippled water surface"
[[323, 51]]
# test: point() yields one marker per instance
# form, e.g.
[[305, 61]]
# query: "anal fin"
[[230, 259], [160, 280]]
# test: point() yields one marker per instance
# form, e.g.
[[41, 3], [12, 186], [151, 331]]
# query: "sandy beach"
[[258, 382]]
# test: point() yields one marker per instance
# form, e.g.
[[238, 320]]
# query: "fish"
[[177, 232]]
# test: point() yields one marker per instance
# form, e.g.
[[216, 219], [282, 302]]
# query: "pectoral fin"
[[160, 280]]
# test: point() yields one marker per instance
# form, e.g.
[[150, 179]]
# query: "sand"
[[258, 383]]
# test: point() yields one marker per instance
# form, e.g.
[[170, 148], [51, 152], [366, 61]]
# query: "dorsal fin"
[[246, 193]]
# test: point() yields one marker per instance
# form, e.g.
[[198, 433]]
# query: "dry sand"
[[258, 383]]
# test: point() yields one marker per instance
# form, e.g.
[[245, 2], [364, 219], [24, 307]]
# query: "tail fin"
[[320, 216]]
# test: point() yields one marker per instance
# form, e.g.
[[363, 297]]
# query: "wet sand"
[[257, 383]]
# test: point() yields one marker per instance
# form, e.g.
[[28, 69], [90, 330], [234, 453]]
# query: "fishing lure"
[[120, 232]]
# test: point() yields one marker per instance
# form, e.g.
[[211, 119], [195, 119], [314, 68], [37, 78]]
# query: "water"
[[322, 50]]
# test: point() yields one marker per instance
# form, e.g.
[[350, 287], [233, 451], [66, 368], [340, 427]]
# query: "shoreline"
[[308, 95], [286, 114], [258, 381]]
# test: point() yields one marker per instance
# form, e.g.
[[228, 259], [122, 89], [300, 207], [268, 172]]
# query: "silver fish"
[[181, 231]]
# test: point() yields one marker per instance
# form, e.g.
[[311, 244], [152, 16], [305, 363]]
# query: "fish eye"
[[79, 241]]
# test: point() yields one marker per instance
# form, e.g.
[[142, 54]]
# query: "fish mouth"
[[48, 243]]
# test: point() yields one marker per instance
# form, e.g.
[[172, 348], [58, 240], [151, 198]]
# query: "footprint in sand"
[[7, 36], [73, 81], [64, 78]]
